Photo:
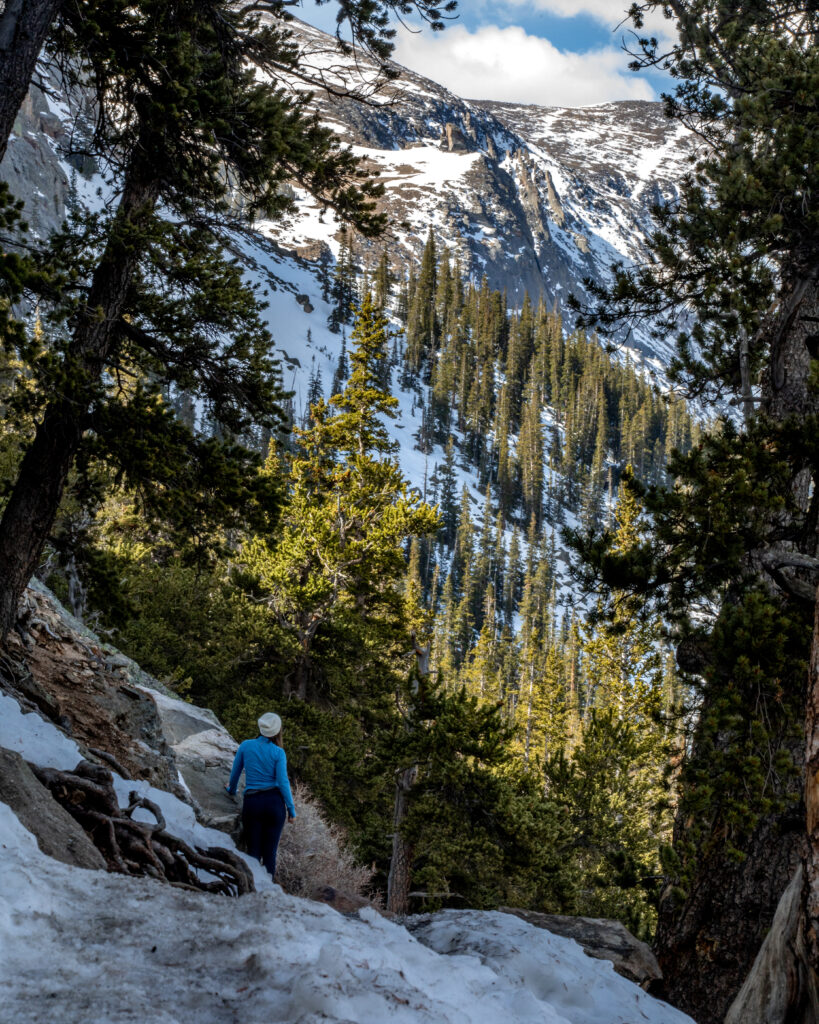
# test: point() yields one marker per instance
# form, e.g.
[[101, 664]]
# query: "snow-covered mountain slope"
[[536, 198]]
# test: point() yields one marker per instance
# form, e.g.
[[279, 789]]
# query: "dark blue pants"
[[263, 818]]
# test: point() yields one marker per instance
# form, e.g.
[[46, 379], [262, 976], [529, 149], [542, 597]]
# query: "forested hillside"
[[325, 598]]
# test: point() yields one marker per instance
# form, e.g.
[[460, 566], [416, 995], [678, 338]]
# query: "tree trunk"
[[783, 985], [706, 948], [810, 920], [400, 876], [398, 882], [32, 507], [24, 25]]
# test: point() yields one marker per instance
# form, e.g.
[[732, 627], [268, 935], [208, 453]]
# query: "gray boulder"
[[58, 835], [602, 939], [203, 750]]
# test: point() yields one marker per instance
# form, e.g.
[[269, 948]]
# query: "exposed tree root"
[[139, 847]]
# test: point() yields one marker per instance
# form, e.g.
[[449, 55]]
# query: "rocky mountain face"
[[33, 167], [535, 198]]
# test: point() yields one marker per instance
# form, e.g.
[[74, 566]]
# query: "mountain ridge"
[[536, 198]]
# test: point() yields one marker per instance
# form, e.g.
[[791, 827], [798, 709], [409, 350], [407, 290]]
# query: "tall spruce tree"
[[350, 512]]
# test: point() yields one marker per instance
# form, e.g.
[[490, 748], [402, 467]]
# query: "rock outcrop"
[[94, 694], [56, 832], [32, 167], [602, 939]]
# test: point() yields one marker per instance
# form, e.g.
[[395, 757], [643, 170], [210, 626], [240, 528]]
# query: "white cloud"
[[611, 13], [507, 64]]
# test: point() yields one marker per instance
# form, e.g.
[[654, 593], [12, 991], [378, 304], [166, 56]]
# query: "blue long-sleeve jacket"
[[265, 766]]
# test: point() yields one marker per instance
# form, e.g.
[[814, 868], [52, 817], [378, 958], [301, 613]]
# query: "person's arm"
[[284, 786], [238, 765]]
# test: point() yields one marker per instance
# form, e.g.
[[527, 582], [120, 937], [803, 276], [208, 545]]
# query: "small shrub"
[[314, 853]]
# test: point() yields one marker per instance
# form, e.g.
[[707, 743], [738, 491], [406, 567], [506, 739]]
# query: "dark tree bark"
[[770, 994], [24, 25], [32, 507], [400, 876], [810, 905], [783, 984], [706, 949]]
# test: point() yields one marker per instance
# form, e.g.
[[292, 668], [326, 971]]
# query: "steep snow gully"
[[86, 947]]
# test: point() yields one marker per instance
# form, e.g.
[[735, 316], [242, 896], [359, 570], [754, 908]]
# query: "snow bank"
[[553, 968], [132, 949], [82, 946], [34, 738]]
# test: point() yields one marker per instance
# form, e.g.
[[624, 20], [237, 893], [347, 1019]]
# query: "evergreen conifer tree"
[[166, 74], [340, 551]]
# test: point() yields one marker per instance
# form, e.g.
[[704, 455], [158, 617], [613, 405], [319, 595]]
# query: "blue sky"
[[552, 52]]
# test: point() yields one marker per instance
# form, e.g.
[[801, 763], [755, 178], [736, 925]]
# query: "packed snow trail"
[[86, 947]]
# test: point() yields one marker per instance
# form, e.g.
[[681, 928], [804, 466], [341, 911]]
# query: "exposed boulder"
[[453, 139], [343, 902], [203, 750], [58, 835], [602, 939], [76, 682]]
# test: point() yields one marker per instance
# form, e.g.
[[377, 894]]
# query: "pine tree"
[[340, 552], [746, 80], [447, 500], [342, 370], [530, 457], [315, 391], [383, 283], [422, 323], [343, 294], [166, 74]]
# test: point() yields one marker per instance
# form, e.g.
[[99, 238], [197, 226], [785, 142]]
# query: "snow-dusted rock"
[[603, 939], [555, 968], [204, 752], [57, 833], [32, 166]]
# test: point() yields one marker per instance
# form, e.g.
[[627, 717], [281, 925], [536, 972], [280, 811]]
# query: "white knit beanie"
[[270, 725]]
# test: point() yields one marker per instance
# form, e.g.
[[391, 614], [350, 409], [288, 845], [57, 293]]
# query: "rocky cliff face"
[[32, 165]]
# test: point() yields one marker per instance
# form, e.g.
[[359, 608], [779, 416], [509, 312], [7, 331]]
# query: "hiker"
[[267, 790]]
